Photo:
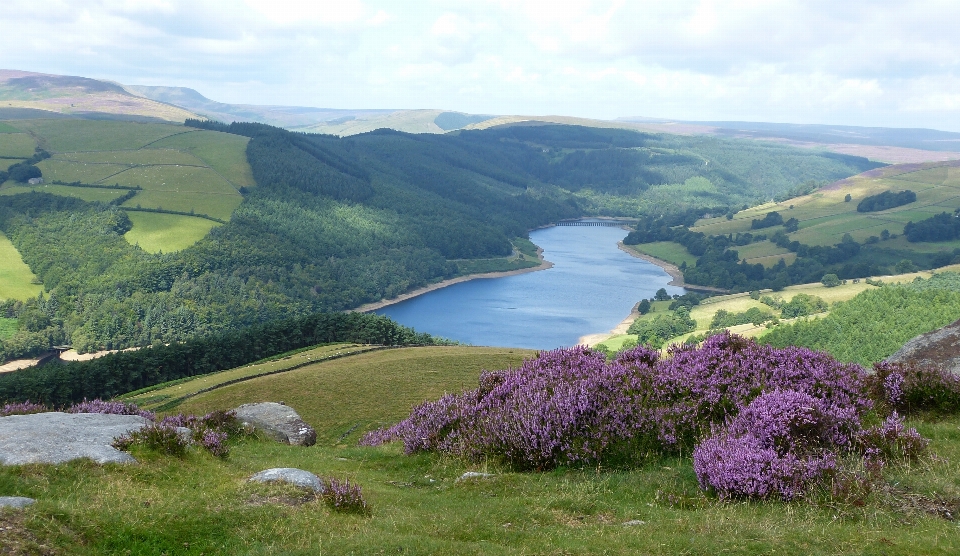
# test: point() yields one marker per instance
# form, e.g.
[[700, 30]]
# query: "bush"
[[907, 389], [157, 437], [830, 280], [342, 496], [570, 406], [22, 408]]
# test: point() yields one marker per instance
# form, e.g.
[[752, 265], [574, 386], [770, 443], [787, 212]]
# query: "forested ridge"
[[337, 222]]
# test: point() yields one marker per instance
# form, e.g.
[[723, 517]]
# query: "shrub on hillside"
[[571, 406], [910, 389], [344, 496], [22, 408]]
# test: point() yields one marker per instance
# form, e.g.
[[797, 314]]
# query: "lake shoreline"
[[368, 307]]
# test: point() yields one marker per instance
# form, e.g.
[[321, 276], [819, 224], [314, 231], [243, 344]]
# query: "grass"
[[8, 327], [224, 152], [19, 145], [825, 217], [58, 136], [483, 266], [156, 232], [218, 205], [69, 171], [666, 251], [173, 393], [85, 193], [142, 157], [204, 505], [16, 279], [7, 128]]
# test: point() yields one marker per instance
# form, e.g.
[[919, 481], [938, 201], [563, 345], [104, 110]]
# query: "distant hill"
[[78, 97]]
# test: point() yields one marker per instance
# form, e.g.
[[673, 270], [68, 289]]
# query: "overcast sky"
[[875, 63]]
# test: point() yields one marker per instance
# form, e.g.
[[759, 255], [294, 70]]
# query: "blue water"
[[591, 288]]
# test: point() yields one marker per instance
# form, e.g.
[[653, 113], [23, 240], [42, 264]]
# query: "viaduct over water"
[[603, 223]]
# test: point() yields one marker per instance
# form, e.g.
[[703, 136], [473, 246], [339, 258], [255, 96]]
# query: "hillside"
[[71, 96], [331, 223]]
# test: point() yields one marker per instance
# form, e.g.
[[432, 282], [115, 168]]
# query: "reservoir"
[[591, 288]]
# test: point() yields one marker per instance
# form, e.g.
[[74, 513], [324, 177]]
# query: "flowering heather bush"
[[109, 408], [342, 496], [22, 408], [776, 447], [572, 406], [891, 441], [210, 431], [162, 438], [913, 389]]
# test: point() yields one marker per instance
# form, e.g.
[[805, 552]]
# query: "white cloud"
[[859, 62]]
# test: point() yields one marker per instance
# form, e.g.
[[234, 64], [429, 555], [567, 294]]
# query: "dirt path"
[[544, 265]]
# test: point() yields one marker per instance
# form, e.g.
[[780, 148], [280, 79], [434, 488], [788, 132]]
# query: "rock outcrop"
[[277, 421], [60, 437], [290, 475], [940, 348]]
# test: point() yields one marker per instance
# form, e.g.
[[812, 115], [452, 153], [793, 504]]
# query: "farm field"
[[16, 279], [86, 193], [740, 302], [417, 503], [156, 232], [824, 216], [179, 169], [16, 145], [172, 395]]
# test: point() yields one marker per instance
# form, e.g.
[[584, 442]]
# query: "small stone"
[[17, 502], [290, 475], [474, 475], [279, 422], [634, 523]]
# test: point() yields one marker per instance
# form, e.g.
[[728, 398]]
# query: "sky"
[[854, 62]]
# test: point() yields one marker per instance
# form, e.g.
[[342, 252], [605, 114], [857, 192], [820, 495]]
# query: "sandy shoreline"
[[594, 339], [366, 308]]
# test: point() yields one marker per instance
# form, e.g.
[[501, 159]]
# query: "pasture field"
[[224, 152], [155, 232], [172, 395], [341, 402], [90, 194], [59, 136], [8, 327], [17, 145], [142, 157], [69, 171], [201, 504], [174, 179], [669, 251], [825, 216], [7, 128], [16, 278], [217, 205]]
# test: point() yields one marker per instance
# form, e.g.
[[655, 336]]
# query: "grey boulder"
[[61, 437], [290, 475], [16, 502], [940, 348], [278, 421]]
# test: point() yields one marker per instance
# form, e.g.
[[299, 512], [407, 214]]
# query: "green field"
[[156, 232], [224, 152], [18, 145], [142, 157], [59, 136], [825, 217], [217, 205], [201, 504], [8, 327], [7, 128], [669, 251], [16, 279], [86, 193], [68, 171]]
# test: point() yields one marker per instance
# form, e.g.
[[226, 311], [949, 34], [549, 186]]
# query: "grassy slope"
[[178, 168], [824, 215], [85, 193], [18, 145], [339, 400], [8, 327], [205, 505], [16, 280], [155, 232]]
